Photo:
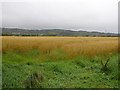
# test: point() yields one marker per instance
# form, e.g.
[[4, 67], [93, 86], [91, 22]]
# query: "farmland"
[[68, 62]]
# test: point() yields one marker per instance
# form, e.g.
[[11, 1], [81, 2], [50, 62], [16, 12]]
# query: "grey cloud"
[[98, 15]]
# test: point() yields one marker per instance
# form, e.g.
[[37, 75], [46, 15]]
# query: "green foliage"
[[34, 80], [25, 70]]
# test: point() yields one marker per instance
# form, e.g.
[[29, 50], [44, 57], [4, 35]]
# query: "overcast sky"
[[89, 15]]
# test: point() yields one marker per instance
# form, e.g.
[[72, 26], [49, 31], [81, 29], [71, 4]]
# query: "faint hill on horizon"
[[51, 32]]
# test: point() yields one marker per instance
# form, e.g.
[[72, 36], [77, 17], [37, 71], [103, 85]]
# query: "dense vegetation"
[[62, 62]]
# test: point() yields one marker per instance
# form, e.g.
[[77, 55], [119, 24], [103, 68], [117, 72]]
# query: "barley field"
[[72, 62], [73, 46]]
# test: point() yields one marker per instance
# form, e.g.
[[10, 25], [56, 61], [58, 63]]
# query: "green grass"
[[0, 70], [20, 69]]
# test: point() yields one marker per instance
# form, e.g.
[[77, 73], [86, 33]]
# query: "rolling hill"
[[50, 32]]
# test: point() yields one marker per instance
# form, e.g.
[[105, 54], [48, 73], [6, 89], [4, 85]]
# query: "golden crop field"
[[67, 61], [73, 46]]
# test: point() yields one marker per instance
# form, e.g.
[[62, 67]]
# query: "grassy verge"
[[35, 70]]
